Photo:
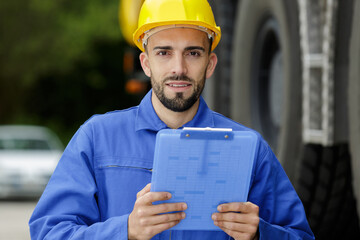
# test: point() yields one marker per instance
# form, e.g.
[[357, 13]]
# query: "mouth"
[[178, 86]]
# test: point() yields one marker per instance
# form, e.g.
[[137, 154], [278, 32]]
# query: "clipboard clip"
[[207, 133]]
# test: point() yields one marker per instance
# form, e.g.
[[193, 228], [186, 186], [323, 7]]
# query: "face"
[[178, 62]]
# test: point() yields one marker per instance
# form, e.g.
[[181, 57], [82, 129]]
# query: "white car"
[[28, 157]]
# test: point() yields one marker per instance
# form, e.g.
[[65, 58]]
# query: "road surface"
[[14, 217]]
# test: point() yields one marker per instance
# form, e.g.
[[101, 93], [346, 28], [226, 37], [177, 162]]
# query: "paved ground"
[[14, 217]]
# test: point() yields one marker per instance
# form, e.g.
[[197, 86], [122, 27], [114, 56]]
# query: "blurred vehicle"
[[28, 157]]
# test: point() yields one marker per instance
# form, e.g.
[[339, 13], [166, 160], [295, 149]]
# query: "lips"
[[179, 86]]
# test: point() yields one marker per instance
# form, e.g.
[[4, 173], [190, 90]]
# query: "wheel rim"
[[267, 82]]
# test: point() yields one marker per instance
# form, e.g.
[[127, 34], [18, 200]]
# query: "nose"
[[179, 65]]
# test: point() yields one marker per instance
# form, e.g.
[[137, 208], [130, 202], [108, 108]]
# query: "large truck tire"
[[266, 76], [267, 96], [354, 102], [326, 192], [224, 12]]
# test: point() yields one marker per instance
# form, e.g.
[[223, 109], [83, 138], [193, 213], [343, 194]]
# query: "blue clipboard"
[[203, 167]]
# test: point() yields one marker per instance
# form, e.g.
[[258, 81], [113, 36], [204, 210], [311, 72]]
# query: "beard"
[[179, 103]]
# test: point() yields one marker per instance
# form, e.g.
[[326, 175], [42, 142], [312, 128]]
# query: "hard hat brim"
[[139, 33]]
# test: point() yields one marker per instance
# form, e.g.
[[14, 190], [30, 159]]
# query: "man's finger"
[[143, 191], [168, 207], [236, 217], [151, 197], [244, 207], [233, 226], [237, 235], [164, 218], [162, 227], [152, 210], [229, 216], [238, 230]]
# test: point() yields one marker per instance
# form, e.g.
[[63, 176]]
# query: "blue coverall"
[[109, 159]]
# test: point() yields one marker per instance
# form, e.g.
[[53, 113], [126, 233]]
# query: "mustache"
[[178, 78]]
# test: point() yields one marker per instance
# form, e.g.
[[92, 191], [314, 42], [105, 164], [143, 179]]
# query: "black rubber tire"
[[246, 89], [326, 192], [224, 12], [354, 102]]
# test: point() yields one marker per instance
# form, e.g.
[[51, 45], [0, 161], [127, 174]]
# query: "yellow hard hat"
[[128, 18], [176, 13]]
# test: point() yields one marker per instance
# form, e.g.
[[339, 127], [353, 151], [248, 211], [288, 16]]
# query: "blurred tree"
[[60, 62]]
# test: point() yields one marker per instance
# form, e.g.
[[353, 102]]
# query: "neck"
[[173, 119]]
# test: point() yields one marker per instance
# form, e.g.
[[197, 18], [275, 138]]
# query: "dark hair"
[[211, 42]]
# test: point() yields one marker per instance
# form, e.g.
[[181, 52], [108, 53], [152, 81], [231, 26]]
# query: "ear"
[[211, 65], [145, 64]]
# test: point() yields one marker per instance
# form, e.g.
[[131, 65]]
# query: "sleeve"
[[68, 208], [282, 215]]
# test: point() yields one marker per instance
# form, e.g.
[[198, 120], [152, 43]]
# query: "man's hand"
[[239, 220], [146, 220]]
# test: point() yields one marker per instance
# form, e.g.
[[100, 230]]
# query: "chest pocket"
[[119, 179]]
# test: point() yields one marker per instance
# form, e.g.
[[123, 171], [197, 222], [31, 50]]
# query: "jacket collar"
[[147, 119]]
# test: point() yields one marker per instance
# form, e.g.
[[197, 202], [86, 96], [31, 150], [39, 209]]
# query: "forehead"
[[178, 37]]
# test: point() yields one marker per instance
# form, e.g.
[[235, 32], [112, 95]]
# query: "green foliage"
[[39, 36], [60, 62]]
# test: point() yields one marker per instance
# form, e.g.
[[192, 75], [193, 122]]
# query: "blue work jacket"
[[109, 160]]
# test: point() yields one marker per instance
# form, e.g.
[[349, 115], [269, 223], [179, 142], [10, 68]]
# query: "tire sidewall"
[[251, 14], [354, 102]]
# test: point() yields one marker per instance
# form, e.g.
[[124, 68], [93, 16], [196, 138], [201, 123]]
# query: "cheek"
[[157, 69], [198, 72]]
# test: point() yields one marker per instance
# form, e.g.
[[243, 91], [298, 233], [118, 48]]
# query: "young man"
[[101, 190]]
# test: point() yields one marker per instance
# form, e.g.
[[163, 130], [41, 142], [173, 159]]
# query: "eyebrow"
[[186, 49], [162, 48], [195, 48]]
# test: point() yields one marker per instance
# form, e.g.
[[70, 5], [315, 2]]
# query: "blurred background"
[[60, 62]]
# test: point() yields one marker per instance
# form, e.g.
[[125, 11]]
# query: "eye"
[[195, 53], [162, 53]]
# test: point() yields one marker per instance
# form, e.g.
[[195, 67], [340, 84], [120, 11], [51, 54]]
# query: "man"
[[101, 190]]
